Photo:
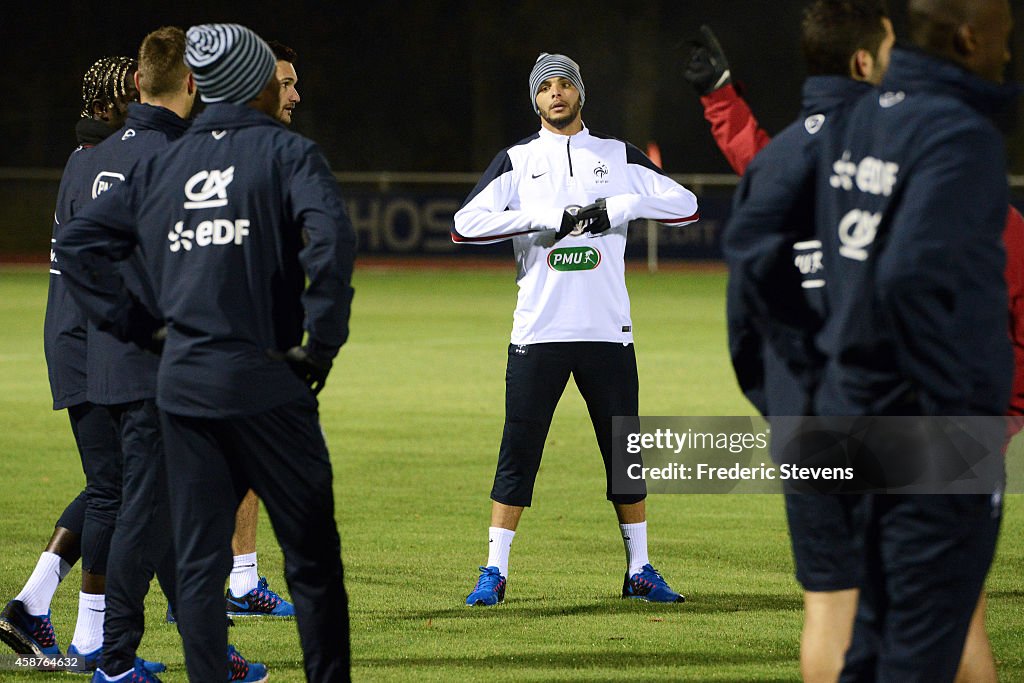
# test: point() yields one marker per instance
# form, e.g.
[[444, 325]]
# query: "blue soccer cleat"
[[259, 602], [489, 590], [87, 662], [27, 634], [240, 669], [137, 675], [647, 584]]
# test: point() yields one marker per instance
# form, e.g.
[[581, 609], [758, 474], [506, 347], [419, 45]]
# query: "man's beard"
[[566, 119]]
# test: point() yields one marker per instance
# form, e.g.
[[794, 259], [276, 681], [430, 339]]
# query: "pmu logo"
[[215, 232], [574, 258], [104, 181], [857, 230], [208, 189]]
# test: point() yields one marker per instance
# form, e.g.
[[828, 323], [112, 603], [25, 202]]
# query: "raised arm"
[[733, 124]]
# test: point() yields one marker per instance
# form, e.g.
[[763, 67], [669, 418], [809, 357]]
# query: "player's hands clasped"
[[592, 218]]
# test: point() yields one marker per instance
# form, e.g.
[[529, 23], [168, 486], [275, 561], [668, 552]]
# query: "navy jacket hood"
[[913, 70], [91, 131], [153, 117], [224, 116], [826, 93]]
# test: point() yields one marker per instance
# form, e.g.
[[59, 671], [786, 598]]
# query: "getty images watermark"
[[714, 454]]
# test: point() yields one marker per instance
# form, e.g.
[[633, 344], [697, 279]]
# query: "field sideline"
[[413, 414]]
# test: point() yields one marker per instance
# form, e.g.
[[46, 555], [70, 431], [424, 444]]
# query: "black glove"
[[707, 70], [568, 222], [311, 367], [594, 217], [139, 326]]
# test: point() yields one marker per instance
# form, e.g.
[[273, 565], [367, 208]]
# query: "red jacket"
[[740, 138]]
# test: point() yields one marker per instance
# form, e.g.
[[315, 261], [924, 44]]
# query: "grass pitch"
[[413, 415]]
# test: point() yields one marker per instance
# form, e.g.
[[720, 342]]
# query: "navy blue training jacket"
[[119, 371], [231, 221], [775, 299], [65, 325], [912, 198]]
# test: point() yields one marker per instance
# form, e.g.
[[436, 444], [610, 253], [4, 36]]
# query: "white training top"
[[573, 289]]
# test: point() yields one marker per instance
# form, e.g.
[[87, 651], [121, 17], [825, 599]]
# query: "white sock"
[[245, 574], [634, 537], [42, 583], [89, 628], [498, 548]]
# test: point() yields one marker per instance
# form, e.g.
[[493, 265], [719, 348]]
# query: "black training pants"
[[99, 446], [926, 558], [280, 454], [141, 545], [606, 375]]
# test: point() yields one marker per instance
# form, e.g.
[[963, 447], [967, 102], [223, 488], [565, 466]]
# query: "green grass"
[[413, 416]]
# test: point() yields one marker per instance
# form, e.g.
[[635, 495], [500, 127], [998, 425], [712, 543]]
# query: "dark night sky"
[[433, 86]]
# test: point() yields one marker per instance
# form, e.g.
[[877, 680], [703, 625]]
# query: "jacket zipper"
[[569, 154]]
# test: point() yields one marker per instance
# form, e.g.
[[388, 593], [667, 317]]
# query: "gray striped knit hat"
[[551, 66], [229, 62]]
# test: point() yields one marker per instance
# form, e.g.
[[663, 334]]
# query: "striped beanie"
[[552, 66], [229, 62]]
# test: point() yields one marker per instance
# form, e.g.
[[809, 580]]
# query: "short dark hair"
[[833, 30], [162, 65], [282, 52]]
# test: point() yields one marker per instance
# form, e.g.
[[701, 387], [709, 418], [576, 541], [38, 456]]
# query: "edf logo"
[[217, 231], [872, 176], [208, 189]]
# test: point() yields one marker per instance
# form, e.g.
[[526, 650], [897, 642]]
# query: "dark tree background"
[[435, 86]]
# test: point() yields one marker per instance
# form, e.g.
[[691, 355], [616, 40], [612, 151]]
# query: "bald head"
[[973, 33], [946, 11]]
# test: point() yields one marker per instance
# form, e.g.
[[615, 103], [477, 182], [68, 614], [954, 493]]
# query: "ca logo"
[[857, 230], [208, 189]]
